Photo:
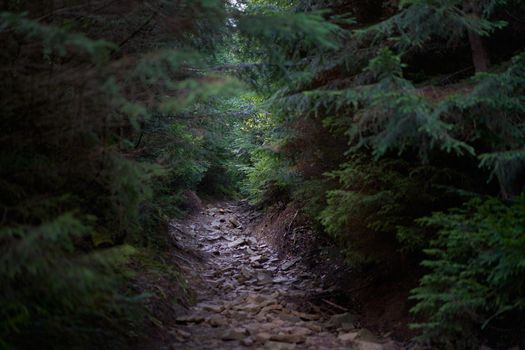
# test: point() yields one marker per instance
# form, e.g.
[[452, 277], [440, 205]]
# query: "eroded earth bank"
[[247, 296]]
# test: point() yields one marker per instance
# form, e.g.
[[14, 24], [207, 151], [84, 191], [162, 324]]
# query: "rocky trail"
[[247, 297]]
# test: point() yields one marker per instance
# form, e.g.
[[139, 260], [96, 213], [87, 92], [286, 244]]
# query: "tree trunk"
[[480, 55], [511, 178]]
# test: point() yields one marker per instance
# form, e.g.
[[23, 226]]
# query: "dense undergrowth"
[[397, 127]]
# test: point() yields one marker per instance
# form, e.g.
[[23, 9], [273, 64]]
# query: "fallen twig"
[[342, 308]]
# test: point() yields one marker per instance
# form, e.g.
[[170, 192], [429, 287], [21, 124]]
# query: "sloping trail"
[[247, 297]]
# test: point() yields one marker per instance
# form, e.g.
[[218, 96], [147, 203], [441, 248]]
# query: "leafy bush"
[[269, 179], [476, 281]]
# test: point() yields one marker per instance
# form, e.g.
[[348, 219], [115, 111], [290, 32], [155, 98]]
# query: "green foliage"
[[502, 101], [420, 133], [476, 276], [97, 147], [376, 202], [48, 285], [420, 21], [269, 178], [275, 40], [310, 196], [263, 174], [301, 31], [65, 190], [56, 40]]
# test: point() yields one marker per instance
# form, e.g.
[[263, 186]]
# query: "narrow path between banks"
[[246, 297]]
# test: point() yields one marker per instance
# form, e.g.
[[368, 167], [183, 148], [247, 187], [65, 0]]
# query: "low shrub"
[[475, 288]]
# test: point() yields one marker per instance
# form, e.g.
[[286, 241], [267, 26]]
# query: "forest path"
[[246, 297]]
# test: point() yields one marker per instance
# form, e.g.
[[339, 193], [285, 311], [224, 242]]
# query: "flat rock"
[[214, 236], [216, 224], [287, 317], [236, 243], [255, 258], [281, 279], [264, 277], [306, 317], [234, 223], [211, 307], [347, 338], [272, 307], [251, 240], [366, 345], [248, 341], [339, 319], [217, 321], [276, 324], [289, 337], [365, 335], [263, 337], [289, 263], [303, 331], [315, 327], [250, 307], [246, 272], [237, 333], [277, 345], [183, 333]]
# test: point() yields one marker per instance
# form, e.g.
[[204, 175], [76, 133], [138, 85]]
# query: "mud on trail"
[[246, 297]]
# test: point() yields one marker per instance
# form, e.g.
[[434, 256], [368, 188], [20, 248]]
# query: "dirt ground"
[[248, 296], [378, 295]]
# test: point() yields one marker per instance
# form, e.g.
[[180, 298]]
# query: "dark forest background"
[[397, 128]]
